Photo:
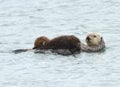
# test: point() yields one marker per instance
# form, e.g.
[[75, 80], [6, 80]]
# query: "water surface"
[[22, 21]]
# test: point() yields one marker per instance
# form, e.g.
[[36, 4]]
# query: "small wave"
[[6, 35], [5, 51], [3, 43]]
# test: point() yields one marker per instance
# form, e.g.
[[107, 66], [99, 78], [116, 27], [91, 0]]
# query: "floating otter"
[[65, 45], [94, 42]]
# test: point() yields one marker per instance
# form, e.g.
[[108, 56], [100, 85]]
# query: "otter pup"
[[94, 42], [40, 42]]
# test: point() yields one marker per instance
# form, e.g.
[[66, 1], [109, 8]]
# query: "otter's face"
[[93, 39], [40, 42]]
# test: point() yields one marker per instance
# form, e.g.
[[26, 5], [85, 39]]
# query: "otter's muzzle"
[[88, 38]]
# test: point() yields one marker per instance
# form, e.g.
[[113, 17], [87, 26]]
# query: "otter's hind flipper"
[[20, 51]]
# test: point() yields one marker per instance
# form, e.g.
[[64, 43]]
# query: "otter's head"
[[93, 39], [40, 42]]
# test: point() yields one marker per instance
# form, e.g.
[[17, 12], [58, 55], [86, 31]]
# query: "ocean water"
[[22, 21]]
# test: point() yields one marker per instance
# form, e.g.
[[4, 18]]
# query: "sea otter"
[[66, 45], [94, 42]]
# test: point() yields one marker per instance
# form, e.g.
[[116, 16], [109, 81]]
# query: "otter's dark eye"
[[94, 35]]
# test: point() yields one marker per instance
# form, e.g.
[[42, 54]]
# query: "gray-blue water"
[[22, 21]]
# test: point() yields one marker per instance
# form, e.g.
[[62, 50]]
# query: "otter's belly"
[[98, 48], [59, 51]]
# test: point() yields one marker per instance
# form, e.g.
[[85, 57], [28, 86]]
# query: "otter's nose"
[[88, 38]]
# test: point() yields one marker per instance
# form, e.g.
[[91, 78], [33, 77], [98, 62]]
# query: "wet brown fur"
[[68, 42], [40, 42]]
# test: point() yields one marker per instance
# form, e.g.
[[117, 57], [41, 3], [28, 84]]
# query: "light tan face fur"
[[93, 39]]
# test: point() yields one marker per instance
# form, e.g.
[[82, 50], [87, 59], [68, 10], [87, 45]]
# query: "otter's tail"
[[21, 50]]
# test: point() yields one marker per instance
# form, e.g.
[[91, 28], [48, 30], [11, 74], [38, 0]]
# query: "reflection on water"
[[22, 21]]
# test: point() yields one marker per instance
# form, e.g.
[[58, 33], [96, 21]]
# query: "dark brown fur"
[[70, 43]]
